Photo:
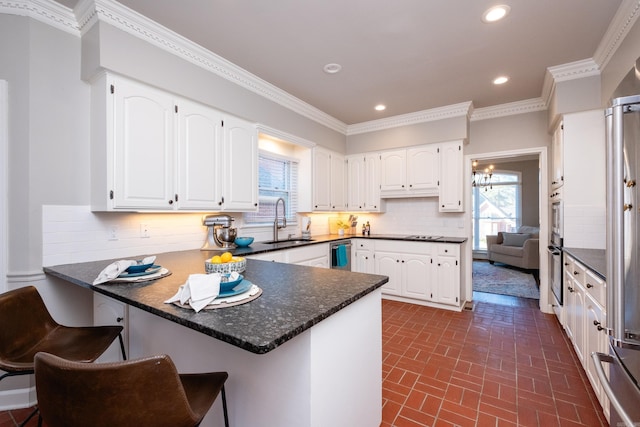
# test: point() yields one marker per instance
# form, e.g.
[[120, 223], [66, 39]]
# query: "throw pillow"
[[515, 239]]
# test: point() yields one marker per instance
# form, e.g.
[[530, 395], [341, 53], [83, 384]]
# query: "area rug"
[[504, 280]]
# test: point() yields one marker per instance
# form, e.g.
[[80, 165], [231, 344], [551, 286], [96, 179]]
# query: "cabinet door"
[[321, 180], [240, 166], [372, 202], [422, 168], [337, 181], [388, 264], [144, 147], [451, 187], [364, 262], [356, 183], [578, 312], [199, 136], [393, 172], [416, 273], [447, 280], [557, 165], [595, 340]]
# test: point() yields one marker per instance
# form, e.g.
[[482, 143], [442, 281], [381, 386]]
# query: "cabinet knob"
[[597, 324], [575, 273], [170, 202], [589, 285], [119, 319], [627, 207]]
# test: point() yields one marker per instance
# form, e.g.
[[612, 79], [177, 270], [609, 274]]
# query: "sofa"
[[520, 249]]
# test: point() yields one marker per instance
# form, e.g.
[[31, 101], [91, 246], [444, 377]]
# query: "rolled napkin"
[[199, 290], [113, 270]]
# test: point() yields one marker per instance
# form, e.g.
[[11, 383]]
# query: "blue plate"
[[150, 270], [243, 286]]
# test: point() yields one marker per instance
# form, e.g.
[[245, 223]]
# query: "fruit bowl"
[[236, 264], [243, 242]]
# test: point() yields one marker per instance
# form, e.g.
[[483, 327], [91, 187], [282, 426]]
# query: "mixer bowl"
[[226, 235]]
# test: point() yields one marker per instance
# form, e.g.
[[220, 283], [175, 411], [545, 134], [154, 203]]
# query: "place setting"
[[132, 271]]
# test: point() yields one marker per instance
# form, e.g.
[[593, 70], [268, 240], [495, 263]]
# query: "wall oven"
[[555, 266], [557, 227]]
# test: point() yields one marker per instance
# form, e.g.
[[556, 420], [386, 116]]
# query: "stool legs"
[[224, 408]]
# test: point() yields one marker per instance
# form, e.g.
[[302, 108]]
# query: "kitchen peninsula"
[[307, 352]]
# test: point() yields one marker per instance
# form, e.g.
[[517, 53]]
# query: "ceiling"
[[410, 55]]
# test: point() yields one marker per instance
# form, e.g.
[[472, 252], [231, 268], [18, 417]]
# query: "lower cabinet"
[[584, 319], [419, 272], [312, 256]]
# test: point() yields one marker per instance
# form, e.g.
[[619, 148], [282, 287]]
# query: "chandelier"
[[482, 178]]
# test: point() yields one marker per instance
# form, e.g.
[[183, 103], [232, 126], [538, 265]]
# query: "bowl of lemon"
[[225, 263]]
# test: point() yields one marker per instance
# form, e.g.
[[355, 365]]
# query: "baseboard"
[[17, 399]]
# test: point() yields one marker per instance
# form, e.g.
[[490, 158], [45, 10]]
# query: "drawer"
[[595, 286], [364, 244], [447, 249], [577, 271]]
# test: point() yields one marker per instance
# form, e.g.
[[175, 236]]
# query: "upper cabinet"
[[451, 185], [424, 171], [364, 183], [151, 150], [329, 177], [557, 158]]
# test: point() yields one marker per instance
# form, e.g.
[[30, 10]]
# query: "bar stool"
[[141, 392], [26, 327]]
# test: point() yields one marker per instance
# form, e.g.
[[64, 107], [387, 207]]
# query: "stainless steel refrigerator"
[[623, 240]]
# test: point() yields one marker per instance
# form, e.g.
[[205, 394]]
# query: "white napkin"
[[115, 269], [199, 291]]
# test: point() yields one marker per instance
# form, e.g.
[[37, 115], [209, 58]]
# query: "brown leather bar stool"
[[26, 327], [141, 392]]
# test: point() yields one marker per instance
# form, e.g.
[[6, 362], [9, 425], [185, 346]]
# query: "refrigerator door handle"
[[598, 360]]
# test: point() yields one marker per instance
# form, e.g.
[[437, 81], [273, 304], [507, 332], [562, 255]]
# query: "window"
[[497, 207], [277, 177]]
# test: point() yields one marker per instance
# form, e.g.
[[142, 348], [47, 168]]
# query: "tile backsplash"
[[73, 234]]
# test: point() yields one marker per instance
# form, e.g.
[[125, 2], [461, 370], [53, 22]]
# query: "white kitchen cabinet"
[[388, 264], [446, 286], [109, 312], [132, 147], [393, 172], [151, 150], [364, 183], [595, 341], [311, 255], [329, 176], [239, 166], [557, 158], [199, 130], [423, 170], [574, 279], [409, 172], [363, 256], [451, 177]]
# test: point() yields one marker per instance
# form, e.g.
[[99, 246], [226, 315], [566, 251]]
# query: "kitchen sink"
[[288, 241]]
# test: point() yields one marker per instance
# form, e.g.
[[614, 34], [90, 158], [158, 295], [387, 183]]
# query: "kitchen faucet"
[[276, 226]]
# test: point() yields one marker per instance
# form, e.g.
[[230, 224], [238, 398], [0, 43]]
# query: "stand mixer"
[[220, 234]]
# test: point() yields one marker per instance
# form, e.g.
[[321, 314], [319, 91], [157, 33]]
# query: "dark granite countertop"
[[294, 297], [261, 247], [594, 259]]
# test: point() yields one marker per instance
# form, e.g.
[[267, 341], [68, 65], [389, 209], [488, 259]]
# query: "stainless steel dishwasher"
[[341, 258]]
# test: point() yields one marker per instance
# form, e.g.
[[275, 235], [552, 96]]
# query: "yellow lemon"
[[226, 257], [216, 259]]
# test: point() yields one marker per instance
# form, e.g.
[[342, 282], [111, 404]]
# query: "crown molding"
[[624, 19], [45, 11], [510, 109], [450, 111], [131, 22]]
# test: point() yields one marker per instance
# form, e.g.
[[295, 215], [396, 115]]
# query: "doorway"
[[488, 217]]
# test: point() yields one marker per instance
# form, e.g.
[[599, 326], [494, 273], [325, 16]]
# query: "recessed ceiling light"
[[495, 13], [332, 68], [380, 107], [500, 80]]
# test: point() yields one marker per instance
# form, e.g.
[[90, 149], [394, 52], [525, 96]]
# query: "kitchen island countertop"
[[294, 298]]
